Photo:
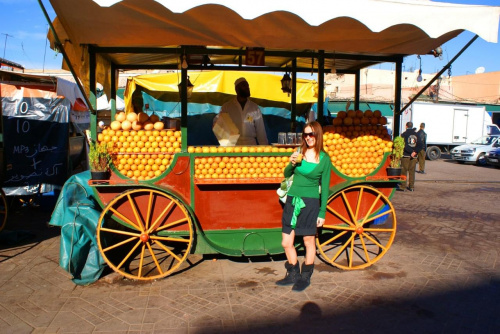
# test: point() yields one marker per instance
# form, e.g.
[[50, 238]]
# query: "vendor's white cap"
[[238, 81]]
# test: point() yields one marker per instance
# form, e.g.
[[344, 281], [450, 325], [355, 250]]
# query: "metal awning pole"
[[92, 92], [66, 58], [321, 84], [184, 107], [293, 105], [357, 89], [396, 124], [113, 90], [439, 74]]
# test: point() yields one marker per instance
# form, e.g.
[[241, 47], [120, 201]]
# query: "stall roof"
[[350, 32], [22, 79]]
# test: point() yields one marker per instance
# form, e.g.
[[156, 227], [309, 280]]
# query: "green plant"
[[398, 146], [99, 157]]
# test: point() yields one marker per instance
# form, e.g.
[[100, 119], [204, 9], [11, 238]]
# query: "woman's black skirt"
[[306, 220]]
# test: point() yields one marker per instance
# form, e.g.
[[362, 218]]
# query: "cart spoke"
[[339, 228], [136, 213], [154, 258], [370, 210], [349, 209], [379, 230], [374, 241], [367, 256], [155, 237], [157, 221], [351, 251], [118, 244], [177, 222], [345, 220], [150, 210], [165, 248], [120, 232], [358, 205], [375, 217], [122, 217], [129, 254], [141, 261], [335, 237], [342, 248]]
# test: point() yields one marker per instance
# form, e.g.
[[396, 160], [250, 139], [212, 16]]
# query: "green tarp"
[[385, 108]]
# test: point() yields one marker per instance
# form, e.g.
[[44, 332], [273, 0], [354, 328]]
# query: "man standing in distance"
[[409, 161], [246, 115], [422, 136]]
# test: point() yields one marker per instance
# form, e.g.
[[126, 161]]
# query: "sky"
[[23, 31]]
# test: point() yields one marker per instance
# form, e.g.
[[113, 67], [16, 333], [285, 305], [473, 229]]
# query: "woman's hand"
[[320, 222], [293, 158]]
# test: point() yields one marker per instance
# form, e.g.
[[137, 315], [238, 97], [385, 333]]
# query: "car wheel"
[[433, 153], [481, 160]]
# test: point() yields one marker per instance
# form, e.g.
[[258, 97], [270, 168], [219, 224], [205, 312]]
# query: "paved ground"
[[441, 275]]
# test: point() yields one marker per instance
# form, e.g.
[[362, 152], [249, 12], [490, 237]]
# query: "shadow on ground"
[[474, 310]]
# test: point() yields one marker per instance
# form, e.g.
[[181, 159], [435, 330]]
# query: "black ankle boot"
[[292, 274], [305, 277]]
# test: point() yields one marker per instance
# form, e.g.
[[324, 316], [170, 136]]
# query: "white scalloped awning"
[[355, 26]]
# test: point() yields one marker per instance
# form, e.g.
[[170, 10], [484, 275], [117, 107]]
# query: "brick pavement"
[[441, 275]]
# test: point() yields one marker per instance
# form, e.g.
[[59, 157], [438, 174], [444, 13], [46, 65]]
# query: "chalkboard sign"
[[35, 134]]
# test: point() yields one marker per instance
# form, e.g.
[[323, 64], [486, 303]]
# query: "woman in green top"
[[305, 206]]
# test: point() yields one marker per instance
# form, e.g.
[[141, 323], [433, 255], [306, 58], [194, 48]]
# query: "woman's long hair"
[[318, 134]]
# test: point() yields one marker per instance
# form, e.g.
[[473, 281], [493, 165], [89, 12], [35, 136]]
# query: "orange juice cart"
[[166, 198]]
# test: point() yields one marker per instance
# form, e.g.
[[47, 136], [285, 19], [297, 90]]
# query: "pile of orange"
[[136, 121], [144, 153], [142, 166], [239, 149], [357, 142], [141, 141], [238, 167]]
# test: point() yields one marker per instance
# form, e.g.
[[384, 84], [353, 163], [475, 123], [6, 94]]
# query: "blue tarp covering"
[[77, 213]]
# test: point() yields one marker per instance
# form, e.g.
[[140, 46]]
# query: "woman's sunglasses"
[[308, 134]]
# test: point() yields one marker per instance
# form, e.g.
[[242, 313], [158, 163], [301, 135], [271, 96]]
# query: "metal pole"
[[184, 108], [112, 98], [5, 45], [439, 74], [357, 89], [293, 106], [92, 92], [321, 84], [396, 124]]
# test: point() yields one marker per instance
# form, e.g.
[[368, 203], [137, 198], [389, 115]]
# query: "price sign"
[[35, 139], [255, 57]]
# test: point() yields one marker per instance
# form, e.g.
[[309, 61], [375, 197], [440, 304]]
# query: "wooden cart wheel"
[[3, 210], [145, 234], [359, 228]]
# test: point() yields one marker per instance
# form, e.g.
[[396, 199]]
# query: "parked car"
[[475, 151], [493, 156]]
